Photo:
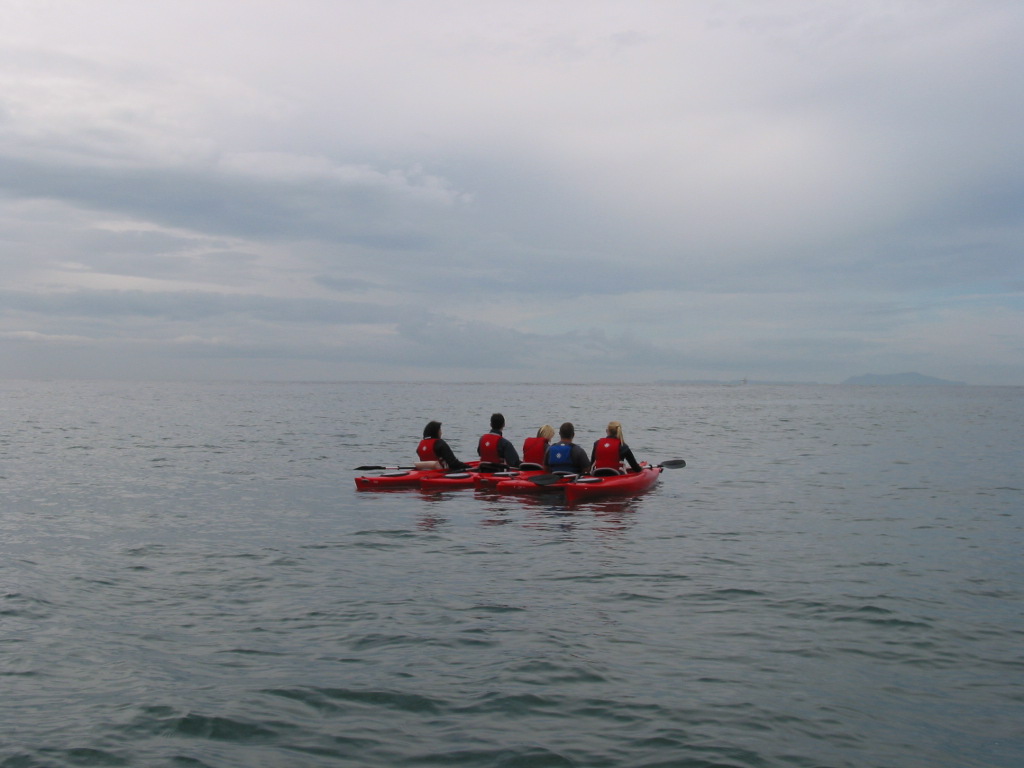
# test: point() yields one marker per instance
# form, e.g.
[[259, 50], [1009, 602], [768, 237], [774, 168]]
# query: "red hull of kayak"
[[491, 479], [407, 479], [468, 479], [629, 484], [523, 484], [451, 481]]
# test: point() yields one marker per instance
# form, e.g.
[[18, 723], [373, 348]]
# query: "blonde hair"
[[615, 430], [547, 432]]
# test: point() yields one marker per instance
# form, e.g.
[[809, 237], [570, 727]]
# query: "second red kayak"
[[524, 484]]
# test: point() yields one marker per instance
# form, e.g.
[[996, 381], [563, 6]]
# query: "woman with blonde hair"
[[534, 448], [610, 451]]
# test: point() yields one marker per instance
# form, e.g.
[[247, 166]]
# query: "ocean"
[[188, 577]]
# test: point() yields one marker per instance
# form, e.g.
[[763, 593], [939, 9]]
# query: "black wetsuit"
[[447, 458]]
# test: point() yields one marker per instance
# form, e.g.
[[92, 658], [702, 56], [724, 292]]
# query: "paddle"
[[673, 464], [550, 479], [368, 467]]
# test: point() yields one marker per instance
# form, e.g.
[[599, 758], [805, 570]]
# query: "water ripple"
[[197, 582]]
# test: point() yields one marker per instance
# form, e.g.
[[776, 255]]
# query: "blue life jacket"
[[559, 458]]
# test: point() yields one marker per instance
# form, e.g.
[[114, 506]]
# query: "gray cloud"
[[630, 190], [359, 210], [196, 306]]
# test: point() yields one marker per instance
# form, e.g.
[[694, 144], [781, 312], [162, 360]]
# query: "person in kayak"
[[432, 450], [534, 448], [565, 455], [610, 451], [492, 448]]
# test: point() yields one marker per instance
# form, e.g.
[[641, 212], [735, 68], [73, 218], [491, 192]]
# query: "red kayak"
[[441, 481], [629, 484], [524, 483], [408, 478], [491, 479], [400, 477], [489, 476]]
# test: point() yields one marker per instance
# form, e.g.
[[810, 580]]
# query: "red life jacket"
[[488, 448], [425, 450], [534, 449], [606, 454]]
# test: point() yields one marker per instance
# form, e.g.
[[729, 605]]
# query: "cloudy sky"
[[576, 190]]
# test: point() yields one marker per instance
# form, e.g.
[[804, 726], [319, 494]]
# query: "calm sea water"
[[189, 578]]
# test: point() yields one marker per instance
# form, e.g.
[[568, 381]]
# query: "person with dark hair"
[[610, 451], [433, 450], [565, 455], [493, 448]]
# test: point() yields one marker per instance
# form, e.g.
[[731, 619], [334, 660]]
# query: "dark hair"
[[567, 431], [497, 421], [432, 430]]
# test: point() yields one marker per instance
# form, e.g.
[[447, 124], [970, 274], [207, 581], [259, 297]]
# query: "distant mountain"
[[901, 380]]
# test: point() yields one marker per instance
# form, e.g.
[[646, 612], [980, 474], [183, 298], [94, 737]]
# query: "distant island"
[[900, 380]]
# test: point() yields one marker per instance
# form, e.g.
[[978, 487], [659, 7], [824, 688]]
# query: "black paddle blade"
[[673, 464], [369, 467], [550, 479]]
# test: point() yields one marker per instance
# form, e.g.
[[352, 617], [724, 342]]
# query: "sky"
[[557, 191]]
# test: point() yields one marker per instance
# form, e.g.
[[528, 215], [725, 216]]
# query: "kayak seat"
[[606, 472], [529, 465]]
